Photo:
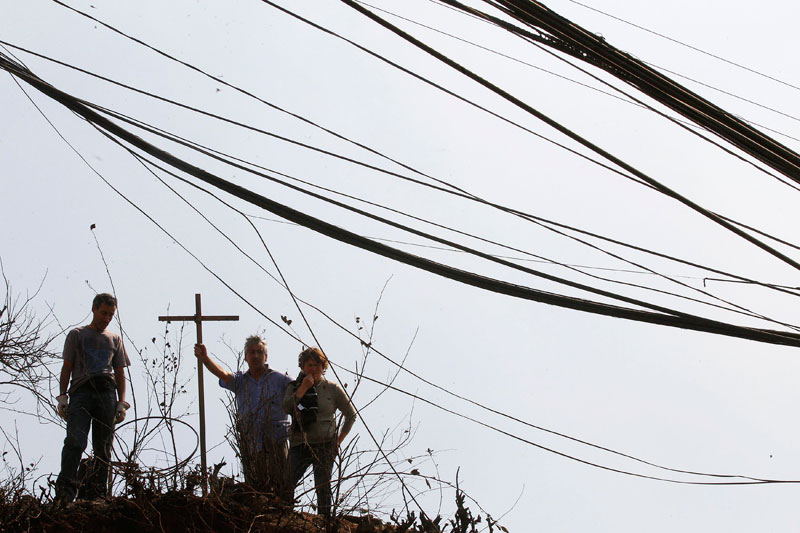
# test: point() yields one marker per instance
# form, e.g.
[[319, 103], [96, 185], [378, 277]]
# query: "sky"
[[685, 400]]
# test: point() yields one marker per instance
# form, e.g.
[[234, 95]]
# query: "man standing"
[[94, 368], [262, 428]]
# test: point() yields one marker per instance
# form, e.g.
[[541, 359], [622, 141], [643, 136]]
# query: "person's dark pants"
[[92, 404], [277, 452], [265, 469], [321, 457]]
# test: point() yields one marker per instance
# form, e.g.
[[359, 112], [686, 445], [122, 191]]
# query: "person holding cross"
[[94, 362], [262, 427]]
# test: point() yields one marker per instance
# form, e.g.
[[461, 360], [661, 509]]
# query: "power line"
[[748, 480], [655, 185], [585, 85], [429, 236], [696, 49], [629, 99], [558, 32], [467, 195], [531, 259], [651, 82], [738, 97], [676, 320], [452, 93], [713, 216], [470, 196], [501, 259], [529, 109], [249, 94]]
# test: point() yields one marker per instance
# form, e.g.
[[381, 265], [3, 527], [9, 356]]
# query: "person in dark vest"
[[92, 394], [314, 439]]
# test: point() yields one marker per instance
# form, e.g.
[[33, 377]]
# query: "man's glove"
[[62, 406], [122, 407]]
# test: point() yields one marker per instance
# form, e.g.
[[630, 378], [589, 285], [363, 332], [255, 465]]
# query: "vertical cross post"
[[198, 319]]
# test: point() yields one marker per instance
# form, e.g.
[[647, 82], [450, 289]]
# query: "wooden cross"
[[198, 319]]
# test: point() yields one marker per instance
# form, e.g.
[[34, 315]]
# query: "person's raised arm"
[[306, 384], [202, 354]]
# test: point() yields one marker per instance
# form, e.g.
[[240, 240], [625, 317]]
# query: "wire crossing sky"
[[677, 320]]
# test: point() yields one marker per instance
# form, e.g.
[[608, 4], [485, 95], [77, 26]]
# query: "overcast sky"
[[685, 400]]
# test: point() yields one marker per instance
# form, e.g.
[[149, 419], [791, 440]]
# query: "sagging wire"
[[459, 192], [691, 47], [494, 285], [736, 308], [628, 100], [569, 133]]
